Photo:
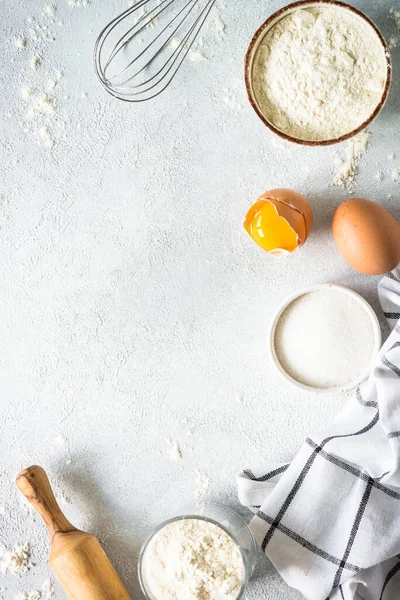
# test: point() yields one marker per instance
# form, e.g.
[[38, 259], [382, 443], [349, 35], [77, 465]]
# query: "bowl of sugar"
[[324, 339], [317, 73]]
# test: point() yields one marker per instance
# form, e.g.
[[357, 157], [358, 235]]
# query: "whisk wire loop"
[[165, 43], [141, 73]]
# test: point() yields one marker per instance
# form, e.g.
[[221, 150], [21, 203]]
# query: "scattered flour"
[[396, 175], [214, 31], [319, 73], [45, 135], [50, 10], [36, 595], [217, 25], [151, 23], [35, 62], [46, 593], [231, 100], [394, 39], [175, 43], [48, 590], [78, 3], [203, 486], [391, 156], [54, 81], [39, 33], [395, 14], [173, 450], [40, 104], [40, 111], [346, 168], [17, 560], [27, 92], [20, 42], [61, 439], [193, 559], [196, 55], [379, 176]]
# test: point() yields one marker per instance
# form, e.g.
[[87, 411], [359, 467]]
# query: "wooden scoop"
[[77, 559]]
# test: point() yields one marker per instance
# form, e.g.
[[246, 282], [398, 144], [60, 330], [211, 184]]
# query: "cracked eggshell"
[[279, 222], [294, 208]]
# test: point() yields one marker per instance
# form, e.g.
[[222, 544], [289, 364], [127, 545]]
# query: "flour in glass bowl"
[[319, 73], [192, 559]]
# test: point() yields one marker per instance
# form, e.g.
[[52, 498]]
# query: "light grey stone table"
[[133, 306]]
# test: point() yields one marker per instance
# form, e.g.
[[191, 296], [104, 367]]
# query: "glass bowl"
[[225, 518]]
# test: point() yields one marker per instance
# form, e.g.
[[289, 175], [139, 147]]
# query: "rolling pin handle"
[[33, 483]]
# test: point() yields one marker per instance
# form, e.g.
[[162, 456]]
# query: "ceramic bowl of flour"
[[207, 552], [317, 73], [325, 339]]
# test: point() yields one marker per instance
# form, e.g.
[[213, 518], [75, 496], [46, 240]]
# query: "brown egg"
[[367, 236]]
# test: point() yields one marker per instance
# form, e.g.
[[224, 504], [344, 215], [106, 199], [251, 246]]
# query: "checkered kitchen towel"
[[330, 520]]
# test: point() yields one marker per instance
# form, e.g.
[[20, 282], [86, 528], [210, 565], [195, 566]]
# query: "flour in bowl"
[[319, 73], [192, 559]]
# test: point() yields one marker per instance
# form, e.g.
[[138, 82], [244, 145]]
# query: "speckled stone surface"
[[133, 306]]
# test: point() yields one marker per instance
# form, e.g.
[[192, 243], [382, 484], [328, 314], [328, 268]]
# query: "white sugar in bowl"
[[324, 339]]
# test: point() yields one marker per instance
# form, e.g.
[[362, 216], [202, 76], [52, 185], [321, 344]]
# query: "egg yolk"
[[272, 232]]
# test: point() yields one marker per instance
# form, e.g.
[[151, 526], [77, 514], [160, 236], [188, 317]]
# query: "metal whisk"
[[138, 54]]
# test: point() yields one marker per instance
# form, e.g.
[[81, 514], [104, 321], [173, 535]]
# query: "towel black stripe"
[[361, 400], [391, 276], [289, 499], [350, 469], [392, 315], [303, 475], [341, 593], [393, 434], [266, 477], [306, 544], [389, 576], [382, 476], [387, 363], [354, 530], [370, 425]]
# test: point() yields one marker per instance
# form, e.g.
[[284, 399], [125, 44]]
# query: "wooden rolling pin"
[[77, 559]]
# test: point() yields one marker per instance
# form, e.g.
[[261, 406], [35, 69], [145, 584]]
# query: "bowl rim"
[[262, 30], [351, 385]]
